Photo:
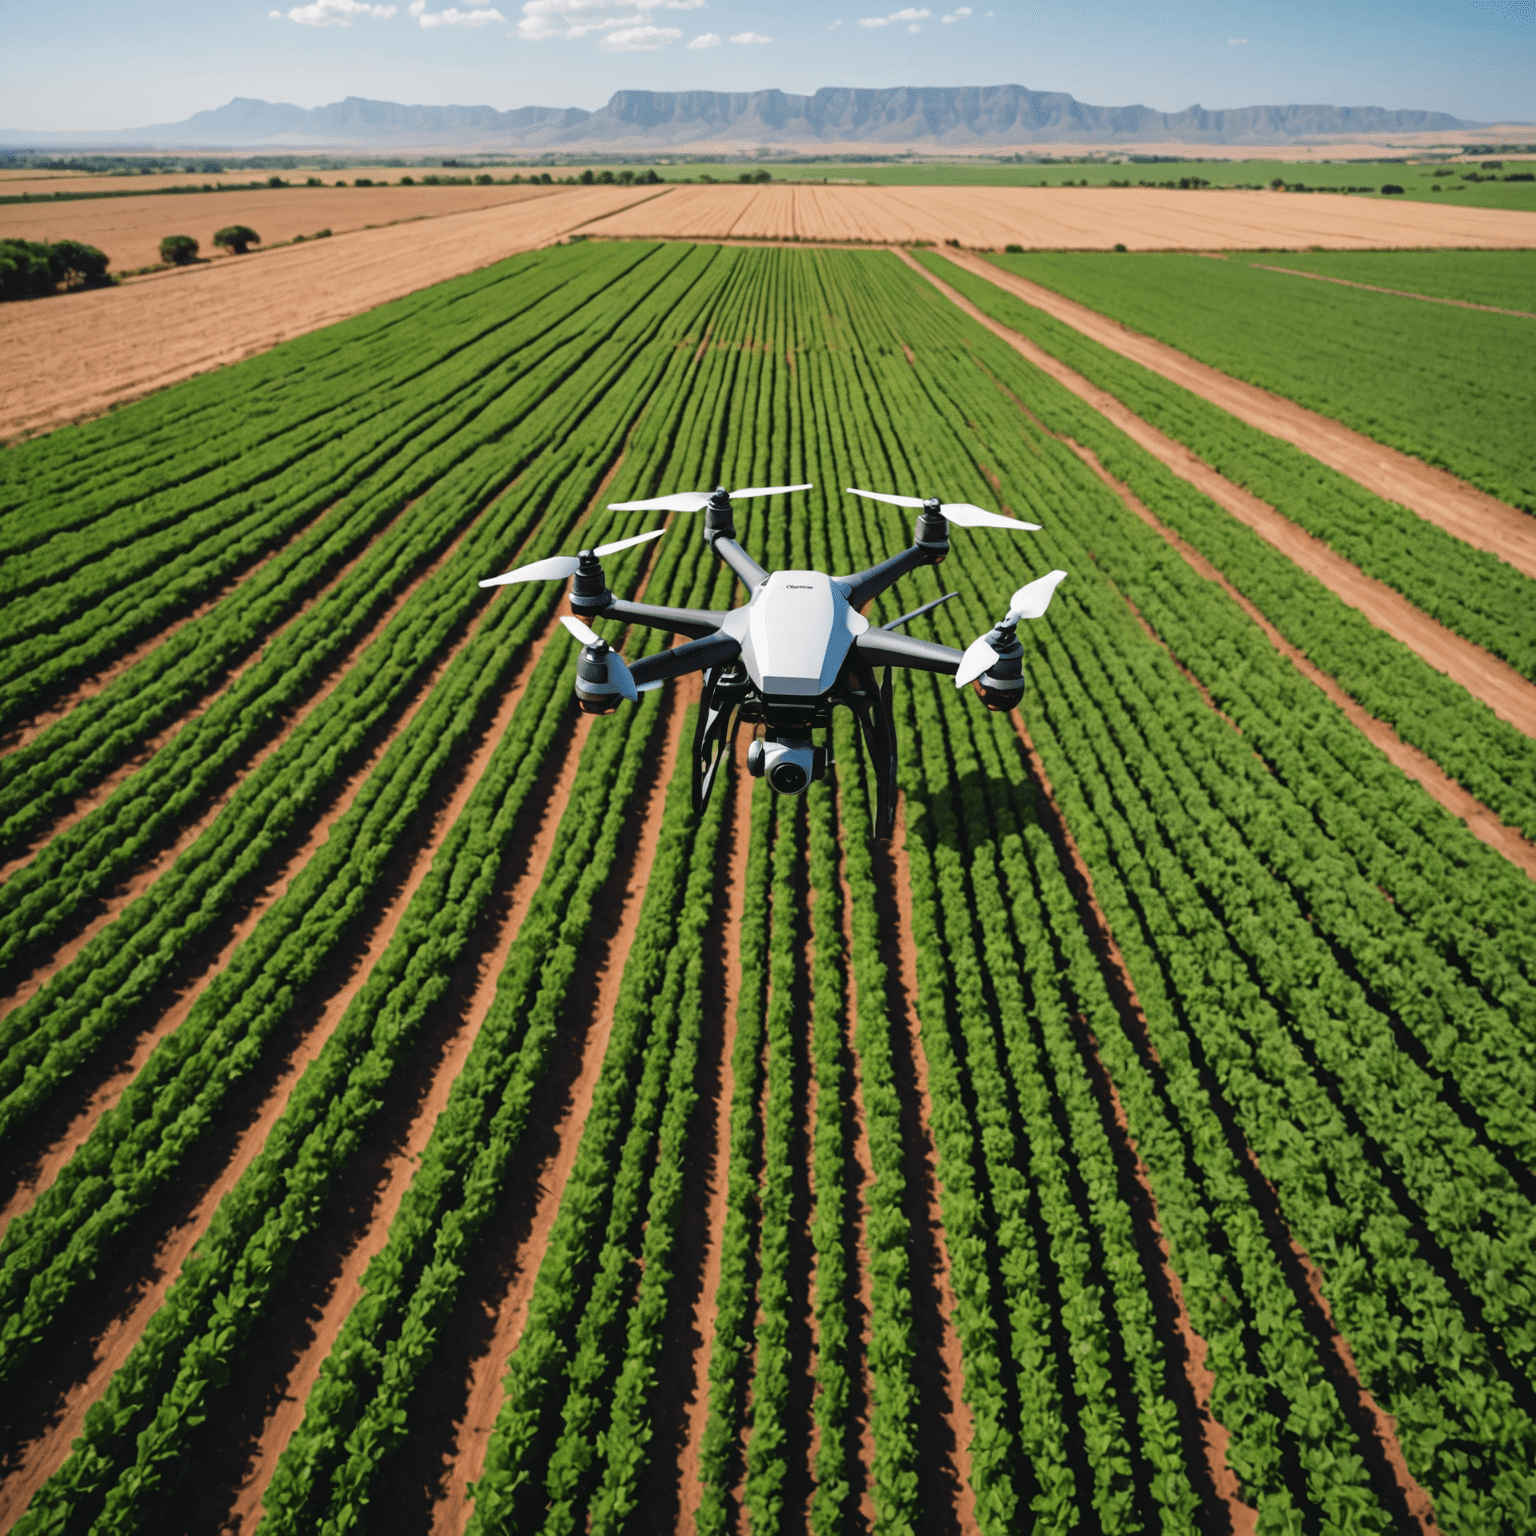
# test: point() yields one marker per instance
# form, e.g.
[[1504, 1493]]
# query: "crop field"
[[416, 1118], [1453, 386]]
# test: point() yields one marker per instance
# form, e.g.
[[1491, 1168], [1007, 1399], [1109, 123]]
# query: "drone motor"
[[789, 766]]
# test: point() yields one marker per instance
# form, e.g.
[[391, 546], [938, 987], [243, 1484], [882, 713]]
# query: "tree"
[[76, 264], [31, 268], [178, 250], [237, 238]]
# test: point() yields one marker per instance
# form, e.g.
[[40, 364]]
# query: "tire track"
[[47, 1452], [1484, 676], [1375, 1429], [556, 1130], [1436, 495]]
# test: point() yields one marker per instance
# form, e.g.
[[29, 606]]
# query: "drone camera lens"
[[788, 778]]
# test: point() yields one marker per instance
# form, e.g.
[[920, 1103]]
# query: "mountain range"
[[933, 117]]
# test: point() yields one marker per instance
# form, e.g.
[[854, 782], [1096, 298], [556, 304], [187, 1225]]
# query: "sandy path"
[[939, 1398], [1485, 677], [1438, 497], [1397, 293], [717, 1157], [143, 878], [129, 229], [607, 946], [45, 1455], [401, 1166], [1068, 218], [74, 356]]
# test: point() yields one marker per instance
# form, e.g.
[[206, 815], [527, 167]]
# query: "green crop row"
[[1451, 386]]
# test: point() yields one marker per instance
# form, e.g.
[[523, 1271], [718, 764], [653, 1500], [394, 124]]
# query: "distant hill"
[[957, 117]]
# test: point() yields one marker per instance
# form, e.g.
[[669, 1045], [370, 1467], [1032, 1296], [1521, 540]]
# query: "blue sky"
[[93, 64]]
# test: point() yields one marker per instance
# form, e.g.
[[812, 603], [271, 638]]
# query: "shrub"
[[362, 181], [322, 234], [482, 180], [406, 181], [178, 250], [1014, 250], [237, 238], [314, 181], [1119, 246], [29, 269], [1391, 189], [276, 181]]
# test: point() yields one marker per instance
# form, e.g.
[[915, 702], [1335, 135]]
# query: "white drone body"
[[795, 649]]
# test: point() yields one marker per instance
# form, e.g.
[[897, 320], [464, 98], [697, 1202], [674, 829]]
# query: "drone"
[[797, 648]]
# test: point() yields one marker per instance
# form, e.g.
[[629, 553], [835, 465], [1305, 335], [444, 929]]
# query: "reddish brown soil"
[[614, 925], [716, 1157], [71, 357], [941, 1398], [143, 878], [1397, 293], [1487, 678], [44, 1455], [1433, 494], [400, 1168]]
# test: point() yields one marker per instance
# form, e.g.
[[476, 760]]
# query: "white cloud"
[[750, 37], [959, 11], [333, 13], [452, 17], [543, 19], [639, 39], [706, 40], [1237, 42], [914, 28], [910, 13]]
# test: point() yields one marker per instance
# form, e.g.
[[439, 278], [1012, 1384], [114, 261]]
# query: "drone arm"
[[696, 623], [886, 648], [865, 586], [751, 574], [714, 650]]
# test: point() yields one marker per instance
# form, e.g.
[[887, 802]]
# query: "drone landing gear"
[[871, 705], [724, 689]]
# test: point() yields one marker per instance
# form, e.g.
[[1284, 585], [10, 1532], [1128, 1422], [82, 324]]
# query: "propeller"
[[696, 501], [1029, 602], [558, 567], [618, 672], [961, 512]]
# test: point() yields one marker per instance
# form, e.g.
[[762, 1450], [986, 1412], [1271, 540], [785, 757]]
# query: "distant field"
[[130, 229], [1506, 279], [1453, 386]]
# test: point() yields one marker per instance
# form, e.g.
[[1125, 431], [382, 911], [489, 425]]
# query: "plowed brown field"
[[1083, 218], [79, 354], [130, 229]]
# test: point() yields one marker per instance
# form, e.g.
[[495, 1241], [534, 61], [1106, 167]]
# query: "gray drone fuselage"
[[795, 633]]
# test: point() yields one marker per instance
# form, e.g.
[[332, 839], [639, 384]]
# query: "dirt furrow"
[[356, 1252], [1478, 819], [1397, 293], [714, 1165], [144, 877], [1377, 1430], [1484, 676], [1433, 494], [39, 1459], [947, 1427], [554, 1136]]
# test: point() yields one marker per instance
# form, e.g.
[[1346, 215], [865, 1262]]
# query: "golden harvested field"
[[44, 183], [78, 354], [1081, 218], [130, 229]]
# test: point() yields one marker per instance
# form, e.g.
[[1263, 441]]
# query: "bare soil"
[[130, 229], [1433, 494], [1485, 677], [1065, 218], [72, 356]]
